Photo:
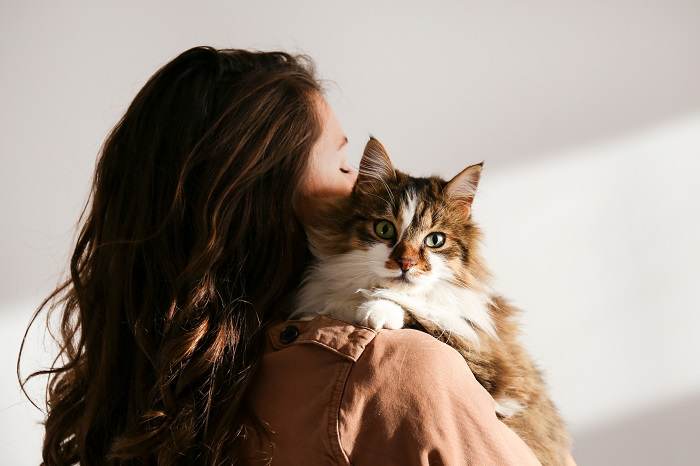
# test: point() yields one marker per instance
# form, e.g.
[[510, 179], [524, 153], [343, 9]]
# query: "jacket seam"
[[339, 403], [326, 346], [334, 418]]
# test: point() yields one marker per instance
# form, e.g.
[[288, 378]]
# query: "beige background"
[[587, 115]]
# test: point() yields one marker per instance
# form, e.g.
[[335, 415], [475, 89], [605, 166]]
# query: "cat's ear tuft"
[[462, 188], [375, 166]]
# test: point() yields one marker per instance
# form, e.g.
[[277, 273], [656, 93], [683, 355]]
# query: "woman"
[[174, 348]]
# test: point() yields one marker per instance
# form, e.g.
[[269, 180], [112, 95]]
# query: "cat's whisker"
[[376, 174], [389, 206]]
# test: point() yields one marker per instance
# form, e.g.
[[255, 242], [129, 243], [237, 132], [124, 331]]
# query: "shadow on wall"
[[663, 435]]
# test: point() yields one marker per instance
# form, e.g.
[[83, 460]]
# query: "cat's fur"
[[357, 277]]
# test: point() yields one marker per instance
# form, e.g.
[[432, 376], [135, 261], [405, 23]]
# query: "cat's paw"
[[507, 407], [381, 313]]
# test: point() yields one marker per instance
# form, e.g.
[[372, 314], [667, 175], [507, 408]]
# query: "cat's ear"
[[462, 188], [375, 167]]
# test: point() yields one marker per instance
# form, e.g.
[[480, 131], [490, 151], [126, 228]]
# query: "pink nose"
[[405, 263]]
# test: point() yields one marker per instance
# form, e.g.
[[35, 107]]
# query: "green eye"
[[384, 229], [435, 240]]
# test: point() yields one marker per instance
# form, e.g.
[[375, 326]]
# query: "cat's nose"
[[405, 263]]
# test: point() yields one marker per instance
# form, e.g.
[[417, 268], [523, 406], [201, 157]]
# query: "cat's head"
[[404, 231]]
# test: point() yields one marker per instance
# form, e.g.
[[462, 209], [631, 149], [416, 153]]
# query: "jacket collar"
[[343, 338]]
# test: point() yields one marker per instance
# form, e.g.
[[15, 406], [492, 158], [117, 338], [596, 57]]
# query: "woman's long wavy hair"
[[189, 242]]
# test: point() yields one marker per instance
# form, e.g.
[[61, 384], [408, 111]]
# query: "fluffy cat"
[[403, 251]]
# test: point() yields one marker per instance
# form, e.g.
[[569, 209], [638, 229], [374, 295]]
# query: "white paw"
[[380, 313], [508, 407]]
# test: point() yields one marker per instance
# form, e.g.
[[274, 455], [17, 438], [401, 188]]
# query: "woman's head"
[[194, 232]]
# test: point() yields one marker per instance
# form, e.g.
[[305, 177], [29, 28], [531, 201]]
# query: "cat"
[[403, 251]]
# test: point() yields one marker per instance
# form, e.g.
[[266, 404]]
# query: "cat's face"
[[402, 231]]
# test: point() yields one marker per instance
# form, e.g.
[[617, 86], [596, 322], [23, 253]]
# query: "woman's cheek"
[[349, 180], [332, 182]]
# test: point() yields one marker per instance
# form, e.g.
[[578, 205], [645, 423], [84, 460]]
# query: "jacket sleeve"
[[411, 400]]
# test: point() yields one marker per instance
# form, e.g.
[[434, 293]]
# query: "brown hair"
[[189, 242]]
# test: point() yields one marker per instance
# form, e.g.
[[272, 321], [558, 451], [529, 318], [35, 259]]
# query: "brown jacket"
[[341, 394]]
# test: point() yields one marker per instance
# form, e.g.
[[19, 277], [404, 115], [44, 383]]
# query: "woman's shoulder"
[[410, 364], [378, 354], [379, 357], [411, 399], [392, 366], [404, 375], [412, 351], [361, 395]]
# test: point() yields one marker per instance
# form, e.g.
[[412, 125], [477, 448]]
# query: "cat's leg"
[[380, 313]]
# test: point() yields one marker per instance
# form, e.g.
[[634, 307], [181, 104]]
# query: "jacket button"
[[289, 334]]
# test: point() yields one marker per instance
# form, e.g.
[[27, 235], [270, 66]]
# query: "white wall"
[[600, 246], [587, 115]]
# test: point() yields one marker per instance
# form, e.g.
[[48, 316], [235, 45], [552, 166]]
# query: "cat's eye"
[[384, 229], [435, 240]]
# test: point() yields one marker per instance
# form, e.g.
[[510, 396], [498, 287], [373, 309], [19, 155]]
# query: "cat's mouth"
[[403, 278]]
